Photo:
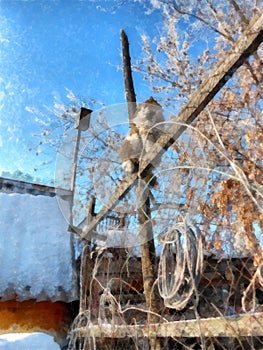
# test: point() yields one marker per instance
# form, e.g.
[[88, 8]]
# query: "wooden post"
[[148, 256], [149, 269], [82, 124], [86, 264], [127, 75]]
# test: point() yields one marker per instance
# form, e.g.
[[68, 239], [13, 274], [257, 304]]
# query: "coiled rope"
[[180, 266]]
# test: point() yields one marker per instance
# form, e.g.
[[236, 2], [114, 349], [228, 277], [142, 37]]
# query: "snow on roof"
[[36, 255], [16, 186]]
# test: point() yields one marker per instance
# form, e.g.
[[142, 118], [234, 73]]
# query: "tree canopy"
[[228, 132], [213, 173]]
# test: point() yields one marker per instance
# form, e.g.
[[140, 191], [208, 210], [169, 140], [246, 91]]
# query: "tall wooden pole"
[[82, 124], [127, 75], [148, 256]]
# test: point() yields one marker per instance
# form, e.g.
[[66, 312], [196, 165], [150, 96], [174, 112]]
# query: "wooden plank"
[[247, 325], [246, 45]]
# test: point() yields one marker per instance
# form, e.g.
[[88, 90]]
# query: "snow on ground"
[[35, 249], [27, 341]]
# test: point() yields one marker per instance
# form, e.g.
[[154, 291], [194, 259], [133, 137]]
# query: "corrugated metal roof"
[[36, 250]]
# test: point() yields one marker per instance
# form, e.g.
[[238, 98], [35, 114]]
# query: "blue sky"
[[48, 46]]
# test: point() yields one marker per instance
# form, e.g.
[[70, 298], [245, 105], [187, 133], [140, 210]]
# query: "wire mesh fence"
[[206, 301]]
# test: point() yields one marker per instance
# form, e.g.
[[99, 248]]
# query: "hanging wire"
[[180, 266], [249, 300], [110, 310], [76, 340]]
